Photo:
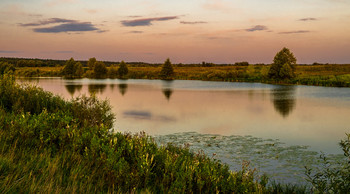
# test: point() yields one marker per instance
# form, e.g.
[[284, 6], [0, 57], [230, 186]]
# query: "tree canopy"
[[100, 70], [167, 70], [91, 63], [283, 65], [73, 69], [123, 69]]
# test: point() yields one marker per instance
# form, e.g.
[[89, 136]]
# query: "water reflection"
[[71, 89], [283, 98], [167, 93], [166, 88], [97, 88], [123, 88]]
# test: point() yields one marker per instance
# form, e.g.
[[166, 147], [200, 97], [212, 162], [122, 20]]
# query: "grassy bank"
[[48, 144], [51, 145], [317, 75]]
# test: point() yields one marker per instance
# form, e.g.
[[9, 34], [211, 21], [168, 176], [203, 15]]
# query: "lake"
[[278, 128]]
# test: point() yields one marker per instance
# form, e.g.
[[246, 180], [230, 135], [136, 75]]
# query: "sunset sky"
[[186, 31]]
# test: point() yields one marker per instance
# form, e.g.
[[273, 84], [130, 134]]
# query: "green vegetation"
[[100, 70], [285, 71], [167, 70], [51, 145], [332, 178], [123, 70], [6, 68], [48, 144], [283, 65], [72, 69]]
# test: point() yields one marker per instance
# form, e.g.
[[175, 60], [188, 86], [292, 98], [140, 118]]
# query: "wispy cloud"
[[134, 16], [70, 27], [192, 23], [66, 25], [48, 21], [307, 19], [296, 32], [135, 32], [146, 21], [256, 28], [4, 51]]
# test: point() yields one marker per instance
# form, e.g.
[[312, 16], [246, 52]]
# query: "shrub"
[[332, 178]]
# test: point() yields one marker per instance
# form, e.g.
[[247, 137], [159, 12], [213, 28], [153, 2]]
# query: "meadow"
[[317, 75]]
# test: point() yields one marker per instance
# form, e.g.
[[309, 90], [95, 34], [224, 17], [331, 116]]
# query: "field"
[[318, 75]]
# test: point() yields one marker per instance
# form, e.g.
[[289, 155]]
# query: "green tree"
[[282, 57], [69, 69], [123, 70], [250, 70], [286, 71], [91, 63], [100, 70], [167, 70], [112, 72], [79, 71]]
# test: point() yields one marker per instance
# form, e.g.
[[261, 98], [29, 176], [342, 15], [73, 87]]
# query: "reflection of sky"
[[227, 109]]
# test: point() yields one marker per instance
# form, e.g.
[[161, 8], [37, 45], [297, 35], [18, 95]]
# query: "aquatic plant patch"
[[286, 164]]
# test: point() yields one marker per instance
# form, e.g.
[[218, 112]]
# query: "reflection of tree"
[[112, 86], [167, 93], [284, 99], [96, 88], [73, 88], [123, 88]]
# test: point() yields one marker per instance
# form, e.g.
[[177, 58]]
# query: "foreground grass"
[[51, 145]]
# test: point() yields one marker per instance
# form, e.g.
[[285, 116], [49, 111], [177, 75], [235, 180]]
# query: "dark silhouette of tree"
[[282, 60], [73, 69], [123, 70], [167, 70], [69, 68], [100, 70], [79, 71], [96, 88], [71, 88], [283, 99], [91, 63], [123, 88], [167, 93]]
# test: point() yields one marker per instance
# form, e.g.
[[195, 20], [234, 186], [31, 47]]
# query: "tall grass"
[[48, 144], [51, 145]]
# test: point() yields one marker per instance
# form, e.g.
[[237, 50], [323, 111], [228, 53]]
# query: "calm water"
[[316, 117]]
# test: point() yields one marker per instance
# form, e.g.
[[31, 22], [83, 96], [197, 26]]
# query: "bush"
[[332, 178]]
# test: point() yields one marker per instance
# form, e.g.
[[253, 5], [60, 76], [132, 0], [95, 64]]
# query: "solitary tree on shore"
[[167, 70], [283, 66]]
